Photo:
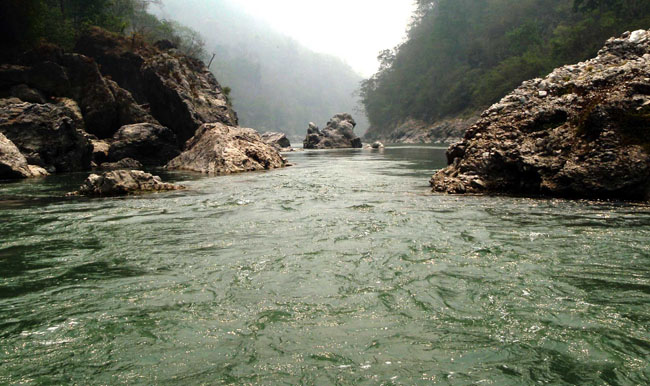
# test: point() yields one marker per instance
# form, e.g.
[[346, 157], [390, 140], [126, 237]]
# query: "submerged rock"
[[148, 143], [377, 145], [583, 131], [277, 140], [121, 183], [220, 149], [50, 136], [338, 134], [13, 165]]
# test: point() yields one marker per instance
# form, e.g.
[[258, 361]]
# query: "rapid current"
[[343, 269]]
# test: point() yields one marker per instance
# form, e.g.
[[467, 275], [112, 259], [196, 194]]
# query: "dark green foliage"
[[463, 55], [25, 23]]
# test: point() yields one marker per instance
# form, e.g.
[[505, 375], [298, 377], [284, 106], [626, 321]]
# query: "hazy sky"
[[354, 30]]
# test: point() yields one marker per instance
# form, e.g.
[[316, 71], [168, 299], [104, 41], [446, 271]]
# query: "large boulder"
[[121, 183], [220, 149], [338, 134], [148, 143], [277, 140], [48, 135], [583, 131], [13, 165], [182, 93]]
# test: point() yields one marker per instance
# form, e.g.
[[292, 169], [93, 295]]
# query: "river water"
[[343, 269]]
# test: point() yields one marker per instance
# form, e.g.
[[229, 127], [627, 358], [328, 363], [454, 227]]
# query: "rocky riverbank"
[[415, 131], [583, 131], [114, 101]]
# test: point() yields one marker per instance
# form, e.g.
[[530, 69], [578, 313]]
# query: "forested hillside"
[[463, 55], [277, 84], [26, 23]]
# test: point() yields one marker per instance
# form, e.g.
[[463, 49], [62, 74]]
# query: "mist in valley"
[[276, 83]]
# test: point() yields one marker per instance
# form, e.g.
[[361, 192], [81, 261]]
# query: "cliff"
[[583, 131], [112, 99]]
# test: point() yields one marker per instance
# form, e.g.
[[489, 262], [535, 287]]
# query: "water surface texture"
[[343, 269]]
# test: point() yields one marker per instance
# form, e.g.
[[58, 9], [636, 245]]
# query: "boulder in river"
[[48, 135], [277, 140], [220, 149], [13, 165], [148, 143], [123, 182], [581, 132], [338, 134]]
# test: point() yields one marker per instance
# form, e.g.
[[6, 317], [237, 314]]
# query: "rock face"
[[124, 163], [42, 76], [148, 143], [13, 165], [181, 92], [338, 134], [583, 131], [48, 135], [277, 140], [220, 149], [123, 182]]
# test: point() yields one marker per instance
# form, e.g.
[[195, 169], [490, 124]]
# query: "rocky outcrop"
[[125, 163], [220, 149], [148, 143], [583, 131], [338, 134], [415, 131], [13, 164], [42, 77], [277, 140], [121, 183], [180, 91], [48, 135]]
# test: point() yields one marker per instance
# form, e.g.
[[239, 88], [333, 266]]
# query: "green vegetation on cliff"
[[463, 55], [26, 23]]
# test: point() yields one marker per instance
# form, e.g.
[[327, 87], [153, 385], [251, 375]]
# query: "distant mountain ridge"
[[277, 84]]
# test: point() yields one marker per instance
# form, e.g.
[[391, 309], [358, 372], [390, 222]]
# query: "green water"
[[343, 269]]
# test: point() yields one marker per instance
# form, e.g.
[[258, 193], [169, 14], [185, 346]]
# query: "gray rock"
[[27, 94], [126, 163], [586, 137], [148, 143], [48, 135], [13, 165], [220, 149], [121, 183], [277, 140], [339, 133], [182, 93]]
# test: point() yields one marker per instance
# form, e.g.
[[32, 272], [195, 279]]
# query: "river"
[[343, 269]]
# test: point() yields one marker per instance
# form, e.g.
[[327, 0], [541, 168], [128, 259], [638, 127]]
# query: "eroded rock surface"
[[48, 135], [123, 182], [338, 134], [220, 149], [13, 164], [148, 143], [277, 140], [180, 91], [583, 131]]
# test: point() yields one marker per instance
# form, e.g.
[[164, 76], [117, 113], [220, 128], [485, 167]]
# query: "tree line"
[[461, 56], [26, 23]]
